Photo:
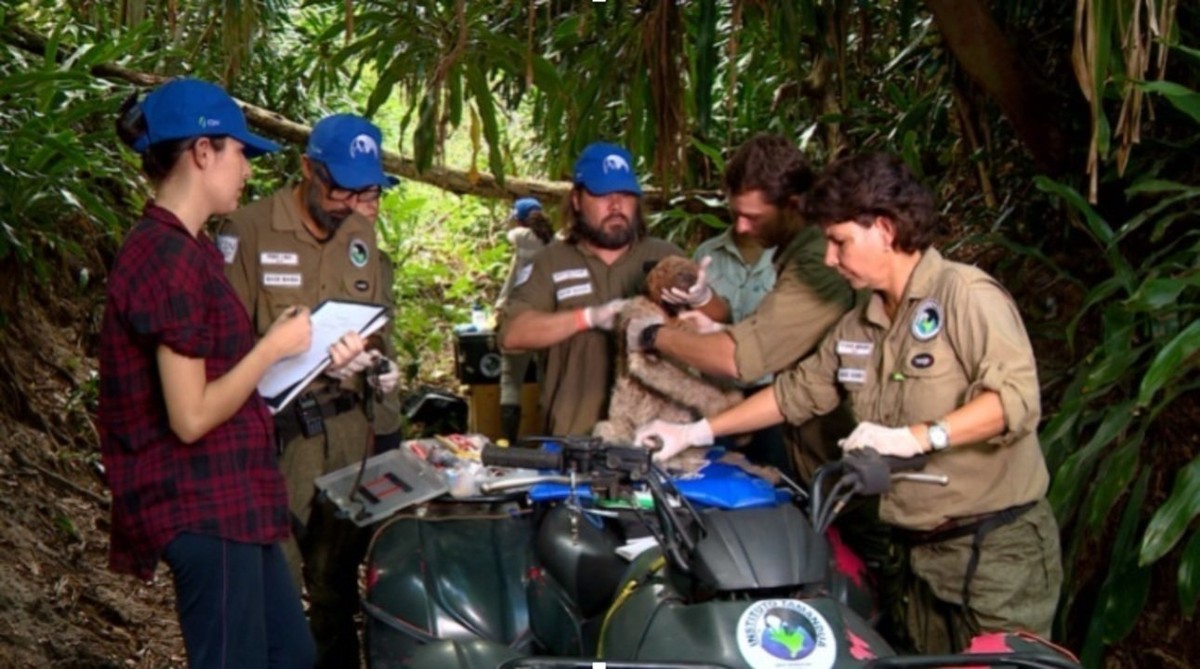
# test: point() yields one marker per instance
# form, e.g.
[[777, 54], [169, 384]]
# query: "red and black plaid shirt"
[[168, 288]]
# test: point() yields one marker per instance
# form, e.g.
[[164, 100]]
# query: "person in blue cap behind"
[[307, 243], [185, 438], [529, 232], [565, 301]]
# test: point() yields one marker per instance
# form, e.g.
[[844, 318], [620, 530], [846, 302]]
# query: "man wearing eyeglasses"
[[304, 244]]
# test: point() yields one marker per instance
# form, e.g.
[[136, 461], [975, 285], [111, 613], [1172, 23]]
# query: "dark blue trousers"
[[237, 605]]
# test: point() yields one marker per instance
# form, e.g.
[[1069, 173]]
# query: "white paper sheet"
[[330, 320]]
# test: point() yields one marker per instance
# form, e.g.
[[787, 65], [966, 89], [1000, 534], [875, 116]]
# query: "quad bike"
[[728, 584]]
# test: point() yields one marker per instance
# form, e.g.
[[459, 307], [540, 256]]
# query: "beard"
[[614, 231], [327, 221]]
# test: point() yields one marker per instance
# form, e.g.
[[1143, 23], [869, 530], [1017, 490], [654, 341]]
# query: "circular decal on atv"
[[927, 322], [785, 633], [359, 253]]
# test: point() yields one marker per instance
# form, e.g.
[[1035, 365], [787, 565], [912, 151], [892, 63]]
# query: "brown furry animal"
[[647, 386]]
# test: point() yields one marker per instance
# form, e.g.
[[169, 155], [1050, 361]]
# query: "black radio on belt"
[[308, 415]]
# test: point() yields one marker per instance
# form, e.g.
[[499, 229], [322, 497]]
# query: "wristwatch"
[[648, 335], [939, 435]]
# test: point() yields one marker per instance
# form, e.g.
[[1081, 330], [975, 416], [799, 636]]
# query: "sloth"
[[649, 387]]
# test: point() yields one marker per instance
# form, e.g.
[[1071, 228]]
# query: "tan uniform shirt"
[[274, 262], [525, 245], [957, 333], [807, 299], [579, 371]]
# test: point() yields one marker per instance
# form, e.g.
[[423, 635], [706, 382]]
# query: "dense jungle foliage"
[[1063, 139]]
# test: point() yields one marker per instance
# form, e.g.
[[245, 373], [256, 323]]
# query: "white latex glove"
[[676, 437], [703, 324], [386, 382], [697, 295], [899, 442], [601, 316], [633, 332]]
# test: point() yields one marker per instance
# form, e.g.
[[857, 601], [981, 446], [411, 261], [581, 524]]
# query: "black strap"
[[287, 424], [977, 528], [982, 529]]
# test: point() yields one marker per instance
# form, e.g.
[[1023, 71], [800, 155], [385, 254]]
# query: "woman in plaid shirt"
[[187, 442]]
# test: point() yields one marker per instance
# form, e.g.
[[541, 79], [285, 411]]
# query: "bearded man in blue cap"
[[564, 302], [307, 243]]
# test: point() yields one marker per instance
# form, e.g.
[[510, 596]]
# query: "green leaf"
[[1155, 294], [1171, 520], [477, 82], [1158, 186], [1189, 576], [1075, 476], [1100, 230], [1113, 367], [706, 61], [1126, 588], [1095, 224], [1172, 362], [1112, 480], [1181, 97]]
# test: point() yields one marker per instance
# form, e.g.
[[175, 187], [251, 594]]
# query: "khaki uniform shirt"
[[525, 245], [957, 334], [807, 299], [274, 262], [578, 372]]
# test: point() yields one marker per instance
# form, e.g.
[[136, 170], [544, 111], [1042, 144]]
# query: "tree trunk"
[[988, 58]]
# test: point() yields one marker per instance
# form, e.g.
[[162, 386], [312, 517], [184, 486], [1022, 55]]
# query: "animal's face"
[[670, 272]]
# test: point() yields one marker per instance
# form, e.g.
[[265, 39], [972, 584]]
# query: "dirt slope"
[[59, 605]]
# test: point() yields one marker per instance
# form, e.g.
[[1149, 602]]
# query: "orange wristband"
[[581, 322]]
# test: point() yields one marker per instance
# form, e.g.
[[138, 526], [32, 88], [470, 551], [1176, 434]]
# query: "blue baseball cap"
[[606, 168], [523, 207], [184, 108], [349, 146]]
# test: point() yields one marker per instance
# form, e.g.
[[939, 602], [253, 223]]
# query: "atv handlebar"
[[521, 458], [577, 455]]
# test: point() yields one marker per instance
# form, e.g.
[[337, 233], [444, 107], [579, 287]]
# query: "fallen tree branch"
[[460, 182]]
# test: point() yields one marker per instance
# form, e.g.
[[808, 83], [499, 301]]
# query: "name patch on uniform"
[[848, 347], [922, 361], [851, 375], [286, 280], [574, 291], [227, 245], [278, 258], [569, 274], [362, 285], [359, 253], [523, 275]]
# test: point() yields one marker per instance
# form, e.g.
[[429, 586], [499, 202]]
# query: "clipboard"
[[288, 377]]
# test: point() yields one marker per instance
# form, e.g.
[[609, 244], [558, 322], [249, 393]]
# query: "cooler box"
[[476, 357]]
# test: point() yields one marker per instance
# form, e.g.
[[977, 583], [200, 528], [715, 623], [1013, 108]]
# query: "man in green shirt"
[[765, 181]]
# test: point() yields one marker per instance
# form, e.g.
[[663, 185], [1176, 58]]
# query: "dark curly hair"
[[861, 187], [771, 164]]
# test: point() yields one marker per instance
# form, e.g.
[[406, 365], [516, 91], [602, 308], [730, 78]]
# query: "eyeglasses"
[[338, 194]]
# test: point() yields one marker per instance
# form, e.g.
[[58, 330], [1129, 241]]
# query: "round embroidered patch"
[[928, 320], [359, 253]]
